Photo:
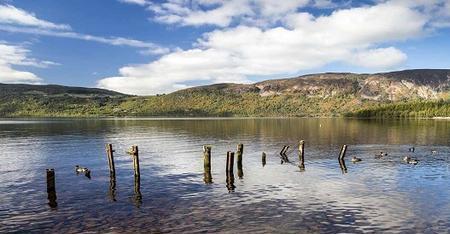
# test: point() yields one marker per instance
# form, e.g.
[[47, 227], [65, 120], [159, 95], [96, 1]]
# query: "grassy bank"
[[418, 109], [177, 104], [212, 104]]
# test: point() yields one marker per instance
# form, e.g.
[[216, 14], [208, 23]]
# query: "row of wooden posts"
[[283, 155], [134, 152], [239, 153]]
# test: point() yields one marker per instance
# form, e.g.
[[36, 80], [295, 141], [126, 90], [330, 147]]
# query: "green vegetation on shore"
[[417, 109], [213, 104], [185, 103]]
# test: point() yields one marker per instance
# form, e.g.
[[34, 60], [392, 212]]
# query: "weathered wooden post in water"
[[283, 155], [263, 159], [230, 161], [341, 159], [240, 151], [284, 150], [207, 164], [134, 152], [301, 154], [110, 153], [229, 171], [51, 188], [342, 153]]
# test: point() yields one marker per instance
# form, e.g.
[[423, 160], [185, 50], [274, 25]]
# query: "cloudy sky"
[[148, 47]]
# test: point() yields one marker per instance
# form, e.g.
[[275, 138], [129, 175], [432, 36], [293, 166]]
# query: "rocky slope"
[[428, 84]]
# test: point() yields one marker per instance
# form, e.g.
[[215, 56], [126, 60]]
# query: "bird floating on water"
[[81, 169], [84, 170], [412, 149], [410, 160], [381, 154], [434, 152], [355, 159]]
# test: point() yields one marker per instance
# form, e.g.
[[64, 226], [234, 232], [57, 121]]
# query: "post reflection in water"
[[51, 195], [342, 165], [112, 187], [137, 191], [230, 182], [51, 188]]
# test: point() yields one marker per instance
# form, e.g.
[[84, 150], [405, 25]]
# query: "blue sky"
[[148, 47]]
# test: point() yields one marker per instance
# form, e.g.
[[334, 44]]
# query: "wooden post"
[[207, 164], [109, 152], [229, 171], [135, 154], [51, 188], [240, 151], [284, 150], [341, 159], [301, 154], [284, 157], [263, 159], [207, 177], [207, 156], [230, 161], [343, 151]]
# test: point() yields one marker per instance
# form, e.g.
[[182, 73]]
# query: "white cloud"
[[438, 11], [303, 41], [223, 13], [381, 58], [17, 20], [12, 15], [13, 55]]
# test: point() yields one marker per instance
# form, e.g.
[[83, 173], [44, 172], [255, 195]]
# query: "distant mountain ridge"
[[325, 94], [426, 84], [24, 89]]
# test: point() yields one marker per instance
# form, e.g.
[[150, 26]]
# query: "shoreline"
[[52, 118]]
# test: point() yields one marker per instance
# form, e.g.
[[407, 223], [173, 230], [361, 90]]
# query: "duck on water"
[[84, 170], [410, 160]]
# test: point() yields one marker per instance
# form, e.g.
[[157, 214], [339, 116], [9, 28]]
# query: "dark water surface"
[[376, 195]]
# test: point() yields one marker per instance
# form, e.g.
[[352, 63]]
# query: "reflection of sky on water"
[[374, 195]]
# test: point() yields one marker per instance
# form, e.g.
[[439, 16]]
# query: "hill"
[[326, 94], [26, 89]]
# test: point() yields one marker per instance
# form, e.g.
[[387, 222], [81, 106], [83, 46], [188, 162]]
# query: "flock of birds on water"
[[407, 159]]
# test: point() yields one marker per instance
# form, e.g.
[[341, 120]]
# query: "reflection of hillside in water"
[[316, 131]]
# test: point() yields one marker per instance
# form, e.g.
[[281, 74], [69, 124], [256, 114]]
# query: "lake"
[[374, 195]]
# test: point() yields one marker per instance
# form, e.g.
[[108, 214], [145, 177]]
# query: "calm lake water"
[[375, 195]]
